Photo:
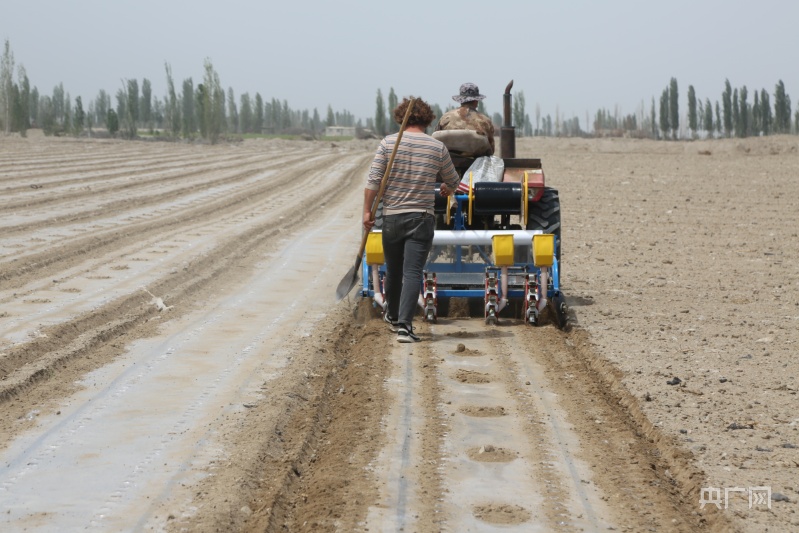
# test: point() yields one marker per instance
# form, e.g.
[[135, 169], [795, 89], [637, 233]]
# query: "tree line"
[[732, 115], [206, 110], [190, 111]]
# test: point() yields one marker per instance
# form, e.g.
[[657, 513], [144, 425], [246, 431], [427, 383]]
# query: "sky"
[[570, 57]]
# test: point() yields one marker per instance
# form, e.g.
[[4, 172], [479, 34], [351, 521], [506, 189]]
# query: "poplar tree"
[[79, 117], [736, 114], [744, 112], [726, 102], [316, 121], [112, 122], [233, 125], [133, 106], [782, 109], [674, 111], [756, 128], [380, 115], [519, 113], [146, 104], [393, 127], [6, 85], [189, 113], [122, 106], [23, 105], [708, 118], [692, 114], [331, 117], [34, 105], [766, 118], [172, 111], [201, 103], [664, 113], [258, 127], [245, 114], [213, 103], [653, 122], [102, 103]]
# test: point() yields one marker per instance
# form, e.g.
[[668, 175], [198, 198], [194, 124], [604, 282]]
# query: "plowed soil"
[[172, 356]]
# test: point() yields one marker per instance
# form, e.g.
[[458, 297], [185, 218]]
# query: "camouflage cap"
[[469, 93]]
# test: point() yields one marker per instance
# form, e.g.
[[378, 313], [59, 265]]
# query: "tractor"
[[497, 243]]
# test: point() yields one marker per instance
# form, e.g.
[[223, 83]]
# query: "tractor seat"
[[467, 143]]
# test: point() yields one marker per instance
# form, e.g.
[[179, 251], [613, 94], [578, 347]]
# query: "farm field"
[[172, 357]]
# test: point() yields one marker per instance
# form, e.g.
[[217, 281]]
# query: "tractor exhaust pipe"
[[508, 132]]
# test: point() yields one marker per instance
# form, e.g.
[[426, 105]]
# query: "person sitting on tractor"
[[467, 117]]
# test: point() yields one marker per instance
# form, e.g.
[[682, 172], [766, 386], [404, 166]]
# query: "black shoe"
[[392, 324], [406, 334]]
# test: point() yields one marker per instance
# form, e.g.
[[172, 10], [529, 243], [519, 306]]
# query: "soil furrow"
[[146, 178], [22, 365], [44, 264]]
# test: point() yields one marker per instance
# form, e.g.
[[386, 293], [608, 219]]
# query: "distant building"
[[340, 131]]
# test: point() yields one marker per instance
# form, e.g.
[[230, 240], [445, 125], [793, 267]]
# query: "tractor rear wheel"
[[545, 215]]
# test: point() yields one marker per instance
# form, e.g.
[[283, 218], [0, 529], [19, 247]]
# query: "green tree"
[[201, 102], [146, 104], [692, 113], [654, 124], [214, 104], [756, 127], [380, 115], [285, 115], [766, 118], [34, 105], [172, 110], [79, 117], [58, 103], [674, 110], [726, 102], [258, 126], [67, 124], [189, 115], [245, 113], [132, 119], [112, 122], [393, 127], [102, 103], [233, 125], [708, 118], [665, 125], [744, 111], [331, 118], [6, 86], [736, 114], [24, 121], [518, 113], [316, 121], [718, 118], [782, 109], [47, 115]]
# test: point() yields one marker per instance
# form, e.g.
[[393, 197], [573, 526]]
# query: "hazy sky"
[[576, 55]]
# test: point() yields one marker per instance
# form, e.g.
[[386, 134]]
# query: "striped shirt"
[[411, 184]]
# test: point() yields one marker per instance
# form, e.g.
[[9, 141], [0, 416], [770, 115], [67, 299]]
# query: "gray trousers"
[[407, 239]]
